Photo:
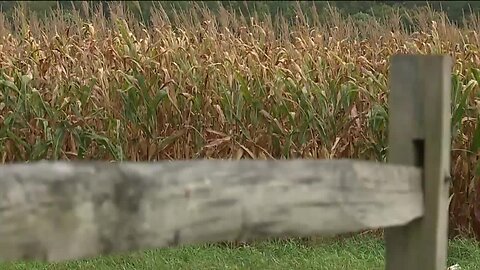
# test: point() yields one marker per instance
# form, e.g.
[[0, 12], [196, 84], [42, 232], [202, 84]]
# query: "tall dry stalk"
[[204, 86]]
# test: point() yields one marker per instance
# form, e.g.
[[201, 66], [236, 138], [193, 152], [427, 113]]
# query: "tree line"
[[455, 10]]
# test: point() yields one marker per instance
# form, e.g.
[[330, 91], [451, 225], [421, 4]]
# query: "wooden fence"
[[56, 211]]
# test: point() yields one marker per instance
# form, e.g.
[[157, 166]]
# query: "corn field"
[[199, 85]]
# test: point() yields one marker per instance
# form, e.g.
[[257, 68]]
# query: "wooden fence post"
[[419, 135]]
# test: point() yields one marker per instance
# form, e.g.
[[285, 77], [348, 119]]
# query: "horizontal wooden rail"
[[56, 211]]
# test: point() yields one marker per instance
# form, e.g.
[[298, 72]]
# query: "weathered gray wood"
[[405, 127], [436, 162], [419, 136], [60, 211]]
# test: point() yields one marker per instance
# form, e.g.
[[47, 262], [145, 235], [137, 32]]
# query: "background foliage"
[[455, 10]]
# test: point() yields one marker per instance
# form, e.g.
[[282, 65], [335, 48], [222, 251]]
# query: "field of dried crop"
[[226, 86]]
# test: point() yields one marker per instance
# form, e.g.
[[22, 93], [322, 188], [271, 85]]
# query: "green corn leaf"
[[58, 141], [475, 144], [39, 150]]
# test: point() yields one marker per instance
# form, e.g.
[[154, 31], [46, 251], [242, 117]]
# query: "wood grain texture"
[[436, 162], [419, 135], [60, 211], [406, 127]]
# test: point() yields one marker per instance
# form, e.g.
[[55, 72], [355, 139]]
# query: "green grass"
[[359, 252]]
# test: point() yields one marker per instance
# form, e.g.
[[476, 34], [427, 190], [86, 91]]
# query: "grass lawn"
[[359, 252]]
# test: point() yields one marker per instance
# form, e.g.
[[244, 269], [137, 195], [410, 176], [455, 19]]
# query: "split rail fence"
[[55, 211]]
